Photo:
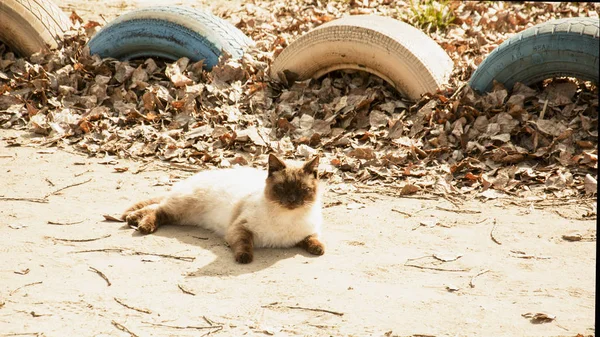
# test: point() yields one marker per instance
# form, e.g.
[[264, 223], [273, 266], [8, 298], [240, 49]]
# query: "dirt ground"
[[393, 266], [182, 275]]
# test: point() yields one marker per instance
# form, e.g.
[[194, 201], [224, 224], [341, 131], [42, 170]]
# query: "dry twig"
[[64, 223], [430, 268], [123, 328], [23, 286], [82, 173], [186, 290], [134, 252], [101, 275], [275, 305], [472, 282], [39, 200], [217, 327], [434, 268], [568, 217], [492, 234], [68, 186], [464, 211], [80, 240], [146, 311], [403, 213]]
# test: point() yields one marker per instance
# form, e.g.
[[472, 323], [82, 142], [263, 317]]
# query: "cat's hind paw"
[[316, 249], [243, 257]]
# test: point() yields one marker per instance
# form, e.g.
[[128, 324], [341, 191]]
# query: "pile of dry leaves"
[[535, 142]]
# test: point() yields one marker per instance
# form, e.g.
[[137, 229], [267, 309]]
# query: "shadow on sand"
[[224, 263]]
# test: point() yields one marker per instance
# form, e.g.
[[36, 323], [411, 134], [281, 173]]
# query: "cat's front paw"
[[142, 220], [147, 226], [243, 257], [312, 245]]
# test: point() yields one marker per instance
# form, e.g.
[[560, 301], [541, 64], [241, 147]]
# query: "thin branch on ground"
[[403, 213], [275, 305], [492, 233], [80, 240], [82, 173], [186, 290], [68, 186], [472, 282], [210, 322], [134, 252], [434, 268], [416, 196], [464, 211], [101, 275], [45, 198], [523, 255], [23, 286], [123, 328], [39, 200], [146, 311], [419, 258], [63, 223], [196, 327], [568, 217]]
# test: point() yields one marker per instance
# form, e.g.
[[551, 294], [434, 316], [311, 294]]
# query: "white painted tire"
[[31, 26], [397, 52]]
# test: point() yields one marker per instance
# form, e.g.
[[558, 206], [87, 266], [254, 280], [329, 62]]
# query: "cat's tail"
[[140, 205]]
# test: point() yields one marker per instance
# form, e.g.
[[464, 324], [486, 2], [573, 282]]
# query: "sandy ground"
[[182, 281], [88, 10], [365, 278]]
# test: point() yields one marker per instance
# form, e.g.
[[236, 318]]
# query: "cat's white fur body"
[[216, 199]]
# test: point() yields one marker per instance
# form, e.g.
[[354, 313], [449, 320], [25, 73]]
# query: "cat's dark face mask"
[[292, 187]]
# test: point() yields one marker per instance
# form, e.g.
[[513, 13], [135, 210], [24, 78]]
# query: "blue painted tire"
[[563, 47], [169, 32]]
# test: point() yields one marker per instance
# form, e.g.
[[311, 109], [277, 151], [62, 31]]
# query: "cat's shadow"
[[224, 263]]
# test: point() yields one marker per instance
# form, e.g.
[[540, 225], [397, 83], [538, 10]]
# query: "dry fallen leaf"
[[180, 113], [108, 217], [539, 317]]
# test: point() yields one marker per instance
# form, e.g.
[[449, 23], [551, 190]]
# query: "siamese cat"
[[249, 207]]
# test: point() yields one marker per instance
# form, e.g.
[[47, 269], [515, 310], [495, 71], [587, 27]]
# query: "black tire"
[[563, 47], [169, 32], [28, 27]]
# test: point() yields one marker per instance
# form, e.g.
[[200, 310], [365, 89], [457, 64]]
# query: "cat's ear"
[[275, 164], [312, 166]]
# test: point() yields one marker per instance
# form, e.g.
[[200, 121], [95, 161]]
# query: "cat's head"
[[292, 186]]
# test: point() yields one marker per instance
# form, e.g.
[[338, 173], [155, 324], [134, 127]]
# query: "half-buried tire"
[[563, 47], [28, 27], [397, 52], [169, 32]]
